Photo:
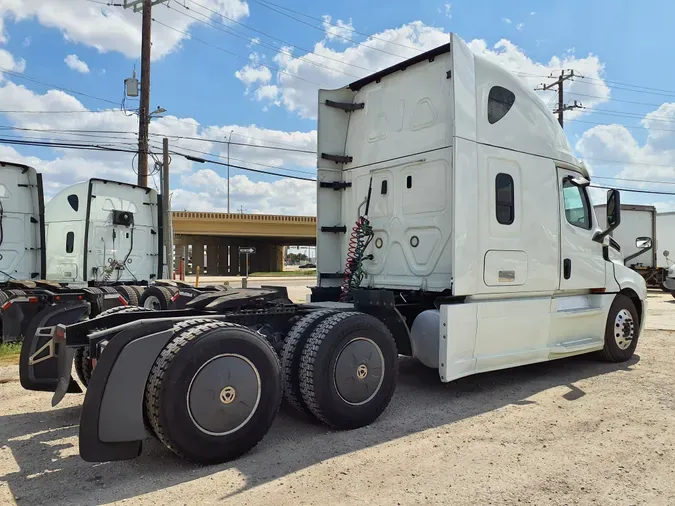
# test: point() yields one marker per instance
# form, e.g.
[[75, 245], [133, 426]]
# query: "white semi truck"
[[454, 225], [94, 246]]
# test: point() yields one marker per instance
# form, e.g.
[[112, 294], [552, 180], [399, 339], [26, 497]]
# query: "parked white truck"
[[647, 242], [454, 225]]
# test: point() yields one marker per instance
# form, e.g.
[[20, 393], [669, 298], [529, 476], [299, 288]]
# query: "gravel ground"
[[573, 431]]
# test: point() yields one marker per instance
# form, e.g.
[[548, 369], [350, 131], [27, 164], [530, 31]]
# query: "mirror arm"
[[643, 250], [600, 236]]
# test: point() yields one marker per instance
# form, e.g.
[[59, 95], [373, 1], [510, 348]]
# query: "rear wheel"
[[157, 298], [83, 365], [349, 370], [622, 330], [213, 392], [129, 294], [291, 355]]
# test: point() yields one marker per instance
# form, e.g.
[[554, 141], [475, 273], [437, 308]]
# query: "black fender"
[[38, 367], [112, 425]]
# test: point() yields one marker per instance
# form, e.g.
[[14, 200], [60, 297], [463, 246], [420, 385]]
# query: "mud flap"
[[38, 367]]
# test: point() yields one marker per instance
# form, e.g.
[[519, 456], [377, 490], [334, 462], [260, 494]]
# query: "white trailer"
[[647, 241], [665, 244], [454, 225]]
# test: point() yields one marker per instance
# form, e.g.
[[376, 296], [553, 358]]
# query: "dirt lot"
[[574, 431]]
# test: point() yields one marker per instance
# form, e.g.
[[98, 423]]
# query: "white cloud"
[[296, 91], [74, 63], [3, 36], [614, 151], [520, 26], [193, 184], [339, 31], [26, 42], [254, 72], [114, 28], [447, 9], [206, 190], [506, 20], [7, 61], [532, 13]]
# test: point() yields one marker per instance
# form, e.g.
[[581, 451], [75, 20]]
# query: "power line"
[[28, 78], [612, 99], [56, 112], [624, 162], [89, 133], [268, 67], [247, 37], [322, 30], [633, 190], [241, 160], [634, 180], [338, 26], [625, 126]]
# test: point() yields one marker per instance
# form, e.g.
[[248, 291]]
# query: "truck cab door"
[[582, 265]]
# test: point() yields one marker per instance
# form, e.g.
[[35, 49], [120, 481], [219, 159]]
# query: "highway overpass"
[[212, 240]]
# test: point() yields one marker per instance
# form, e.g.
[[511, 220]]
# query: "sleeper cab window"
[[500, 101], [74, 202], [577, 208], [504, 195], [70, 242]]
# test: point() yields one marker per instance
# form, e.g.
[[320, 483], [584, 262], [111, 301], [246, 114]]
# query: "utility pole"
[[564, 76], [144, 109], [166, 209], [229, 138]]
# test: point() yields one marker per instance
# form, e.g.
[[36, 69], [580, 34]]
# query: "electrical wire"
[[338, 26], [231, 20], [264, 4], [633, 190], [234, 33], [32, 79], [268, 67]]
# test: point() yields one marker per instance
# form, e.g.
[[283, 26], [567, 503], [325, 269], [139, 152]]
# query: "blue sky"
[[226, 78]]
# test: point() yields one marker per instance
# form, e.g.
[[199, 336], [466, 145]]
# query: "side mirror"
[[666, 253], [613, 209], [613, 214], [643, 242]]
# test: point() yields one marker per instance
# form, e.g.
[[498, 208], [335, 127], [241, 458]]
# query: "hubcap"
[[359, 371], [624, 329], [152, 302], [224, 394], [227, 395]]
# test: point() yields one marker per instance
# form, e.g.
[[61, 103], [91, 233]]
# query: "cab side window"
[[577, 207]]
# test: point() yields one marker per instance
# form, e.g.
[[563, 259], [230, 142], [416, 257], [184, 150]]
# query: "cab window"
[[577, 208]]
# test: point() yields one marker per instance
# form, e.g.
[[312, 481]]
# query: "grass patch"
[[283, 274], [9, 353]]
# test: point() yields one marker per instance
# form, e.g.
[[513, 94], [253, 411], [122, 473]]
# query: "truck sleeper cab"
[[454, 225]]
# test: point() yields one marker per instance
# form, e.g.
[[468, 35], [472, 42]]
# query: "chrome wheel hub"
[[624, 329]]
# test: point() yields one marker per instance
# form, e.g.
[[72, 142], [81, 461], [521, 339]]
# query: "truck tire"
[[122, 309], [240, 365], [156, 298], [291, 355], [139, 289], [83, 365], [349, 370], [622, 330], [129, 294]]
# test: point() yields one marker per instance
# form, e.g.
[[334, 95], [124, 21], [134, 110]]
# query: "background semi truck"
[[454, 226], [647, 241]]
